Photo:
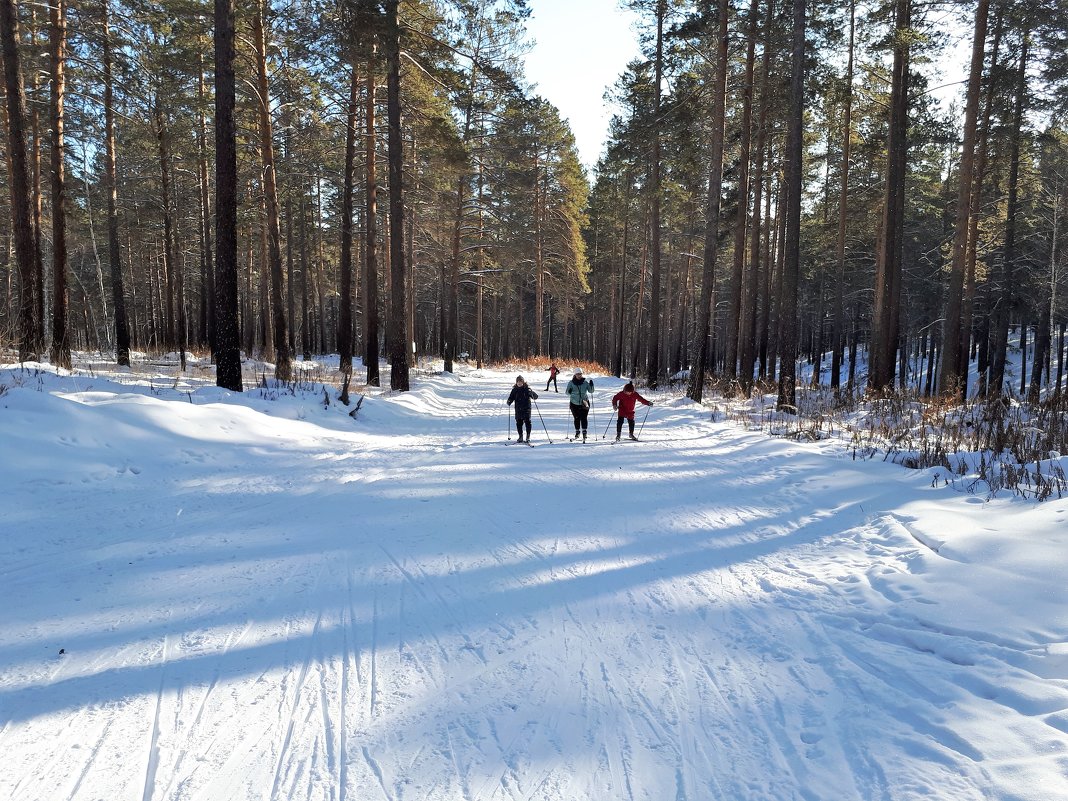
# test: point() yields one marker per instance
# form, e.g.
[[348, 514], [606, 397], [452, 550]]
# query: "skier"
[[522, 395], [552, 377], [623, 402], [579, 390]]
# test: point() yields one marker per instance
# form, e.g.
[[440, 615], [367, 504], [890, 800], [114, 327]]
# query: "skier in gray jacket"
[[579, 389]]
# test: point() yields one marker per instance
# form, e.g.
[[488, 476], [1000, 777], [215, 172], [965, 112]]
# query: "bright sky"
[[582, 46]]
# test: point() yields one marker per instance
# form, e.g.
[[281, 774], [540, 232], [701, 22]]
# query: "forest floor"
[[225, 597]]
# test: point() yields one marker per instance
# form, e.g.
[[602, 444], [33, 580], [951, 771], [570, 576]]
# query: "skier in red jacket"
[[623, 402], [553, 370]]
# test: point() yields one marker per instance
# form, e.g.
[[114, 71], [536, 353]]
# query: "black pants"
[[552, 381], [519, 423], [619, 425], [581, 414]]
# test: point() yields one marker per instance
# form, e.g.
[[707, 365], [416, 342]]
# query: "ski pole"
[[507, 422], [543, 423], [605, 434], [647, 410]]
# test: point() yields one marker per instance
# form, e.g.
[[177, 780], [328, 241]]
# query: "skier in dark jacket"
[[521, 395], [553, 370], [578, 390], [623, 402]]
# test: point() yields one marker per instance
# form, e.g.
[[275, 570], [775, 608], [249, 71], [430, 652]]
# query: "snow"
[[220, 596]]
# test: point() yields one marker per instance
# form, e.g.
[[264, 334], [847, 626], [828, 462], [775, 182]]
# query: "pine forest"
[[790, 194]]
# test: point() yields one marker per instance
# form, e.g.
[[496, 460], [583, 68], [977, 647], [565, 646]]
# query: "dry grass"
[[535, 366], [984, 445]]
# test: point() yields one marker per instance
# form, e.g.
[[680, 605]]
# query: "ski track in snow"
[[269, 609]]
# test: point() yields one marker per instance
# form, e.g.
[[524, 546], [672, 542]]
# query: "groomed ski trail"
[[403, 612]]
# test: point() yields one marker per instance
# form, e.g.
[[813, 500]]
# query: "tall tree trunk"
[[971, 285], [19, 185], [168, 221], [480, 264], [1057, 390], [344, 326], [715, 184], [617, 367], [949, 379], [283, 367], [207, 270], [40, 293], [747, 350], [775, 313], [539, 255], [655, 278], [838, 323], [227, 348], [1008, 293], [451, 309], [305, 319], [409, 292], [451, 320], [792, 244], [287, 212], [60, 351], [882, 363], [639, 306], [102, 292], [736, 325], [370, 280], [1043, 332], [398, 344], [38, 286], [771, 229]]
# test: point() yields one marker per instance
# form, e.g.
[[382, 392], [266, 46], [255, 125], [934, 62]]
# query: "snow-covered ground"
[[219, 597]]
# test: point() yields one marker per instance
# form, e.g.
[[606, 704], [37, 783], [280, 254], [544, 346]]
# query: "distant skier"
[[579, 391], [623, 402], [553, 370], [521, 395]]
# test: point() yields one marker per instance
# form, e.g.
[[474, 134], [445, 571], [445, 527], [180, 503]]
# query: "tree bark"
[[736, 319], [18, 165], [1008, 294], [60, 350], [344, 325], [168, 222], [539, 255], [228, 352], [715, 184], [949, 379], [207, 271], [398, 344], [792, 244], [370, 281], [655, 277], [1043, 332], [283, 368], [838, 323], [747, 350], [38, 285], [971, 285], [617, 367], [882, 363]]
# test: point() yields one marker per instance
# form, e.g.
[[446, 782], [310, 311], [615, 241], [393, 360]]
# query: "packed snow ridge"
[[222, 597]]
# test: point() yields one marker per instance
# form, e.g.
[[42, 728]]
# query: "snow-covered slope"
[[219, 597]]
